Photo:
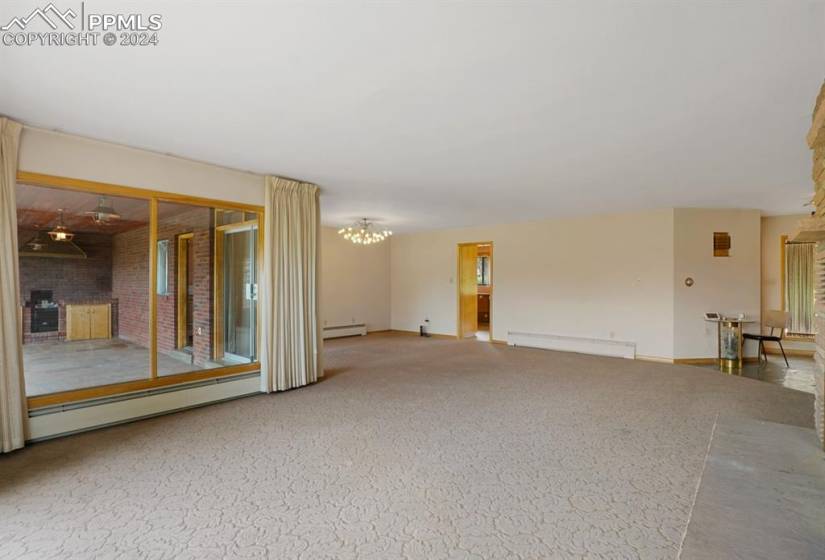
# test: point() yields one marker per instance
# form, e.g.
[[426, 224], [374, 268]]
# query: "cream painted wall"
[[54, 153], [355, 282], [773, 228], [729, 285], [607, 276]]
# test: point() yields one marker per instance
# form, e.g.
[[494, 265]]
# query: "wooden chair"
[[774, 320]]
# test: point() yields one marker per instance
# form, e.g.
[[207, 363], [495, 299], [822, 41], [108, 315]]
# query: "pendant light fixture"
[[61, 232], [363, 232], [104, 213], [38, 242]]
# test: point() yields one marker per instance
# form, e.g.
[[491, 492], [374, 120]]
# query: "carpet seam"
[[698, 486]]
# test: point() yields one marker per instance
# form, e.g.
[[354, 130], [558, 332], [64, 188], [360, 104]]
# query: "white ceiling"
[[426, 115]]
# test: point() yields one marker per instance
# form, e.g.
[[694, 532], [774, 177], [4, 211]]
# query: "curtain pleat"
[[12, 387], [291, 332], [799, 286]]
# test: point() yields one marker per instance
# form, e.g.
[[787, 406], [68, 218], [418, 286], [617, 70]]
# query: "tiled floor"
[[761, 495], [63, 366], [799, 375]]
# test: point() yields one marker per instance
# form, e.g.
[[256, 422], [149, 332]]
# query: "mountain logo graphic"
[[43, 13]]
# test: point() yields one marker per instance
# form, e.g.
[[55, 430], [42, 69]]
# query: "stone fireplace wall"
[[816, 141]]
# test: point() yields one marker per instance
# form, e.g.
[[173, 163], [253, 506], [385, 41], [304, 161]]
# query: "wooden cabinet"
[[483, 308], [86, 322]]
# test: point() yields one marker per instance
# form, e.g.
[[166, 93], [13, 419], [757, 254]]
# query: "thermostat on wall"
[[711, 316]]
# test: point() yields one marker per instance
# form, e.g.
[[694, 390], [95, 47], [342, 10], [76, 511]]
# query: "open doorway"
[[475, 290], [185, 315]]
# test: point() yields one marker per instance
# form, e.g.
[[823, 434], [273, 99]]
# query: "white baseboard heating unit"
[[597, 346], [345, 330]]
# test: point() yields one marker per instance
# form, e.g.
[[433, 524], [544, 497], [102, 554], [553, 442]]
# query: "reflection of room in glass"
[[82, 276], [206, 321]]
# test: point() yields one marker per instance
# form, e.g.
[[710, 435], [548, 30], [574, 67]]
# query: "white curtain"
[[799, 286], [291, 331], [12, 389]]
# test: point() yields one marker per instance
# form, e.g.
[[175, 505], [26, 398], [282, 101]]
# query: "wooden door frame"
[[153, 198], [459, 332], [218, 301], [182, 288]]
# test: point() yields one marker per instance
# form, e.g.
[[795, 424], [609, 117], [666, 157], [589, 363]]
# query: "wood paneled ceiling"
[[38, 207]]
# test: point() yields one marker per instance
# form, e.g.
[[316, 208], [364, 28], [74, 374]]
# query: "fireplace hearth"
[[45, 312]]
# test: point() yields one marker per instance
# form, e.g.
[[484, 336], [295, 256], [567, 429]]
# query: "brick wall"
[[130, 284], [130, 280], [71, 280]]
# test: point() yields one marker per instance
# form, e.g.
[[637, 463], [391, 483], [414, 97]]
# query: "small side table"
[[730, 343]]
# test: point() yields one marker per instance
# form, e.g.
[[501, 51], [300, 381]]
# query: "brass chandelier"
[[364, 232]]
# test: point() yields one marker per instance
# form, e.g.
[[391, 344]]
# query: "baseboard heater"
[[345, 330], [582, 345]]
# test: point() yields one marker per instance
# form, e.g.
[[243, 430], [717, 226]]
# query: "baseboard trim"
[[655, 359], [695, 361], [576, 344], [795, 352], [709, 361]]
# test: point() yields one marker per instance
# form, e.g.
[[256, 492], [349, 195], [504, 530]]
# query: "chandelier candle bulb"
[[363, 233]]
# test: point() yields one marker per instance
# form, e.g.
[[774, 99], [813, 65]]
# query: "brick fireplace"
[[68, 281]]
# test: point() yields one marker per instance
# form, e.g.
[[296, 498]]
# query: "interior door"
[[184, 321], [467, 290]]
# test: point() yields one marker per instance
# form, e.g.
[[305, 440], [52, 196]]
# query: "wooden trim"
[[799, 338], [655, 359], [182, 288], [217, 292], [70, 183], [153, 288], [695, 361], [708, 361], [795, 352], [217, 284], [100, 391], [153, 197], [783, 240], [258, 277], [238, 225]]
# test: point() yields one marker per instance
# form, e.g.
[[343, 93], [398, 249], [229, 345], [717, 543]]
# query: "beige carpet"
[[410, 448]]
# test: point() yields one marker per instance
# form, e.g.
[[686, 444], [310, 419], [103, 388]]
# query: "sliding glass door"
[[238, 249], [126, 289]]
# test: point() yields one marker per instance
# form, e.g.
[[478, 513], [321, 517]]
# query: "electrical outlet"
[[200, 331]]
